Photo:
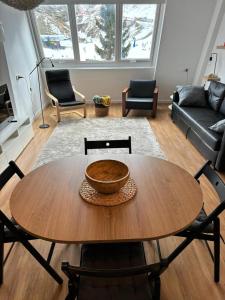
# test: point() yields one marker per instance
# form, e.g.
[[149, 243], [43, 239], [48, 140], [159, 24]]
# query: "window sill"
[[91, 67]]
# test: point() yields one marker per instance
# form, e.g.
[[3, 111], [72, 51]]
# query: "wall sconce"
[[213, 76], [215, 63]]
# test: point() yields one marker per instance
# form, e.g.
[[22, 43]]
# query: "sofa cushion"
[[216, 94], [222, 108], [200, 119], [191, 96], [219, 126], [142, 88]]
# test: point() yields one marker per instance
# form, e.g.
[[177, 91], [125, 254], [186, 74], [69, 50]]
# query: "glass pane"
[[96, 31], [137, 30], [54, 30]]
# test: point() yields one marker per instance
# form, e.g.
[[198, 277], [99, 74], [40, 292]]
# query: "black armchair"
[[62, 92], [141, 94]]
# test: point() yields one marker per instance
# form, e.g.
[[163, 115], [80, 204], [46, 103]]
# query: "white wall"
[[20, 56], [107, 82], [185, 28], [220, 40]]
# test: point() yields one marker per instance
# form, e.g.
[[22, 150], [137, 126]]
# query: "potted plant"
[[102, 104]]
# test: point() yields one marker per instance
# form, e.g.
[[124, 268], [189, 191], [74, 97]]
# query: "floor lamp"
[[43, 125]]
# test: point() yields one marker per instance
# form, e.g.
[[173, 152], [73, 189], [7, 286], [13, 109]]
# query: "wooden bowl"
[[107, 176]]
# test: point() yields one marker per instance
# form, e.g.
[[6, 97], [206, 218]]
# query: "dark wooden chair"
[[212, 231], [11, 232], [107, 144], [113, 271], [141, 94], [62, 92]]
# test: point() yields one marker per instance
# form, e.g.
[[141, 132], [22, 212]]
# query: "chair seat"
[[10, 236], [139, 103], [201, 217], [114, 256], [70, 103]]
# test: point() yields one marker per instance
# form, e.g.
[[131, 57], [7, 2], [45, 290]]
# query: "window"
[[54, 31], [137, 30], [98, 33]]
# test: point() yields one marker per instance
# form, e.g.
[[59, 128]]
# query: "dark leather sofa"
[[195, 123]]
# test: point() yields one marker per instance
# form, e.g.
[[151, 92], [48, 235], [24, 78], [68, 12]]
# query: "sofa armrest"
[[220, 161], [175, 97]]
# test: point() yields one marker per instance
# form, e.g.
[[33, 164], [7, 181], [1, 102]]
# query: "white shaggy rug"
[[68, 137]]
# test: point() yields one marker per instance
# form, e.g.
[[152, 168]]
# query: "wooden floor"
[[190, 276]]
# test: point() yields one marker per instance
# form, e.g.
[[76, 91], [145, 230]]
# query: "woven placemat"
[[126, 193]]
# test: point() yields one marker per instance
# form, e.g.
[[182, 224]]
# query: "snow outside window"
[[96, 31], [110, 33], [137, 30], [53, 27]]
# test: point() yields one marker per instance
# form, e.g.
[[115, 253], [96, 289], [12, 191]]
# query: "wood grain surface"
[[47, 204]]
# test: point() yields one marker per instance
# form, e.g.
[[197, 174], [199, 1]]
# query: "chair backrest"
[[59, 85], [104, 144], [214, 179], [112, 263], [9, 172], [141, 88]]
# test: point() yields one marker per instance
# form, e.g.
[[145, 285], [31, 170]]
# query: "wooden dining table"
[[46, 203]]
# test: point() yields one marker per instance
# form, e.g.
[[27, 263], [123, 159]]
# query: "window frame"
[[118, 62]]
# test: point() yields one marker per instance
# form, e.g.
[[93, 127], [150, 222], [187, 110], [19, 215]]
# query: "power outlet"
[[18, 77]]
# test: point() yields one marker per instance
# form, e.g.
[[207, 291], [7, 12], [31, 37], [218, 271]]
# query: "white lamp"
[[22, 4], [2, 35]]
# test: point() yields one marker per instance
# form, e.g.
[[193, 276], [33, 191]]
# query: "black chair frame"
[[215, 236], [11, 232], [104, 144], [153, 270]]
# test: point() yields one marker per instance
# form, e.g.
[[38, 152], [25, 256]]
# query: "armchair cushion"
[[60, 86], [71, 103], [216, 94], [139, 103], [142, 88]]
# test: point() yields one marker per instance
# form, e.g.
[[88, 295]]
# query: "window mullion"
[[73, 29], [118, 32]]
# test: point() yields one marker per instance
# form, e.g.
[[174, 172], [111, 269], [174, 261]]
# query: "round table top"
[[46, 203]]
